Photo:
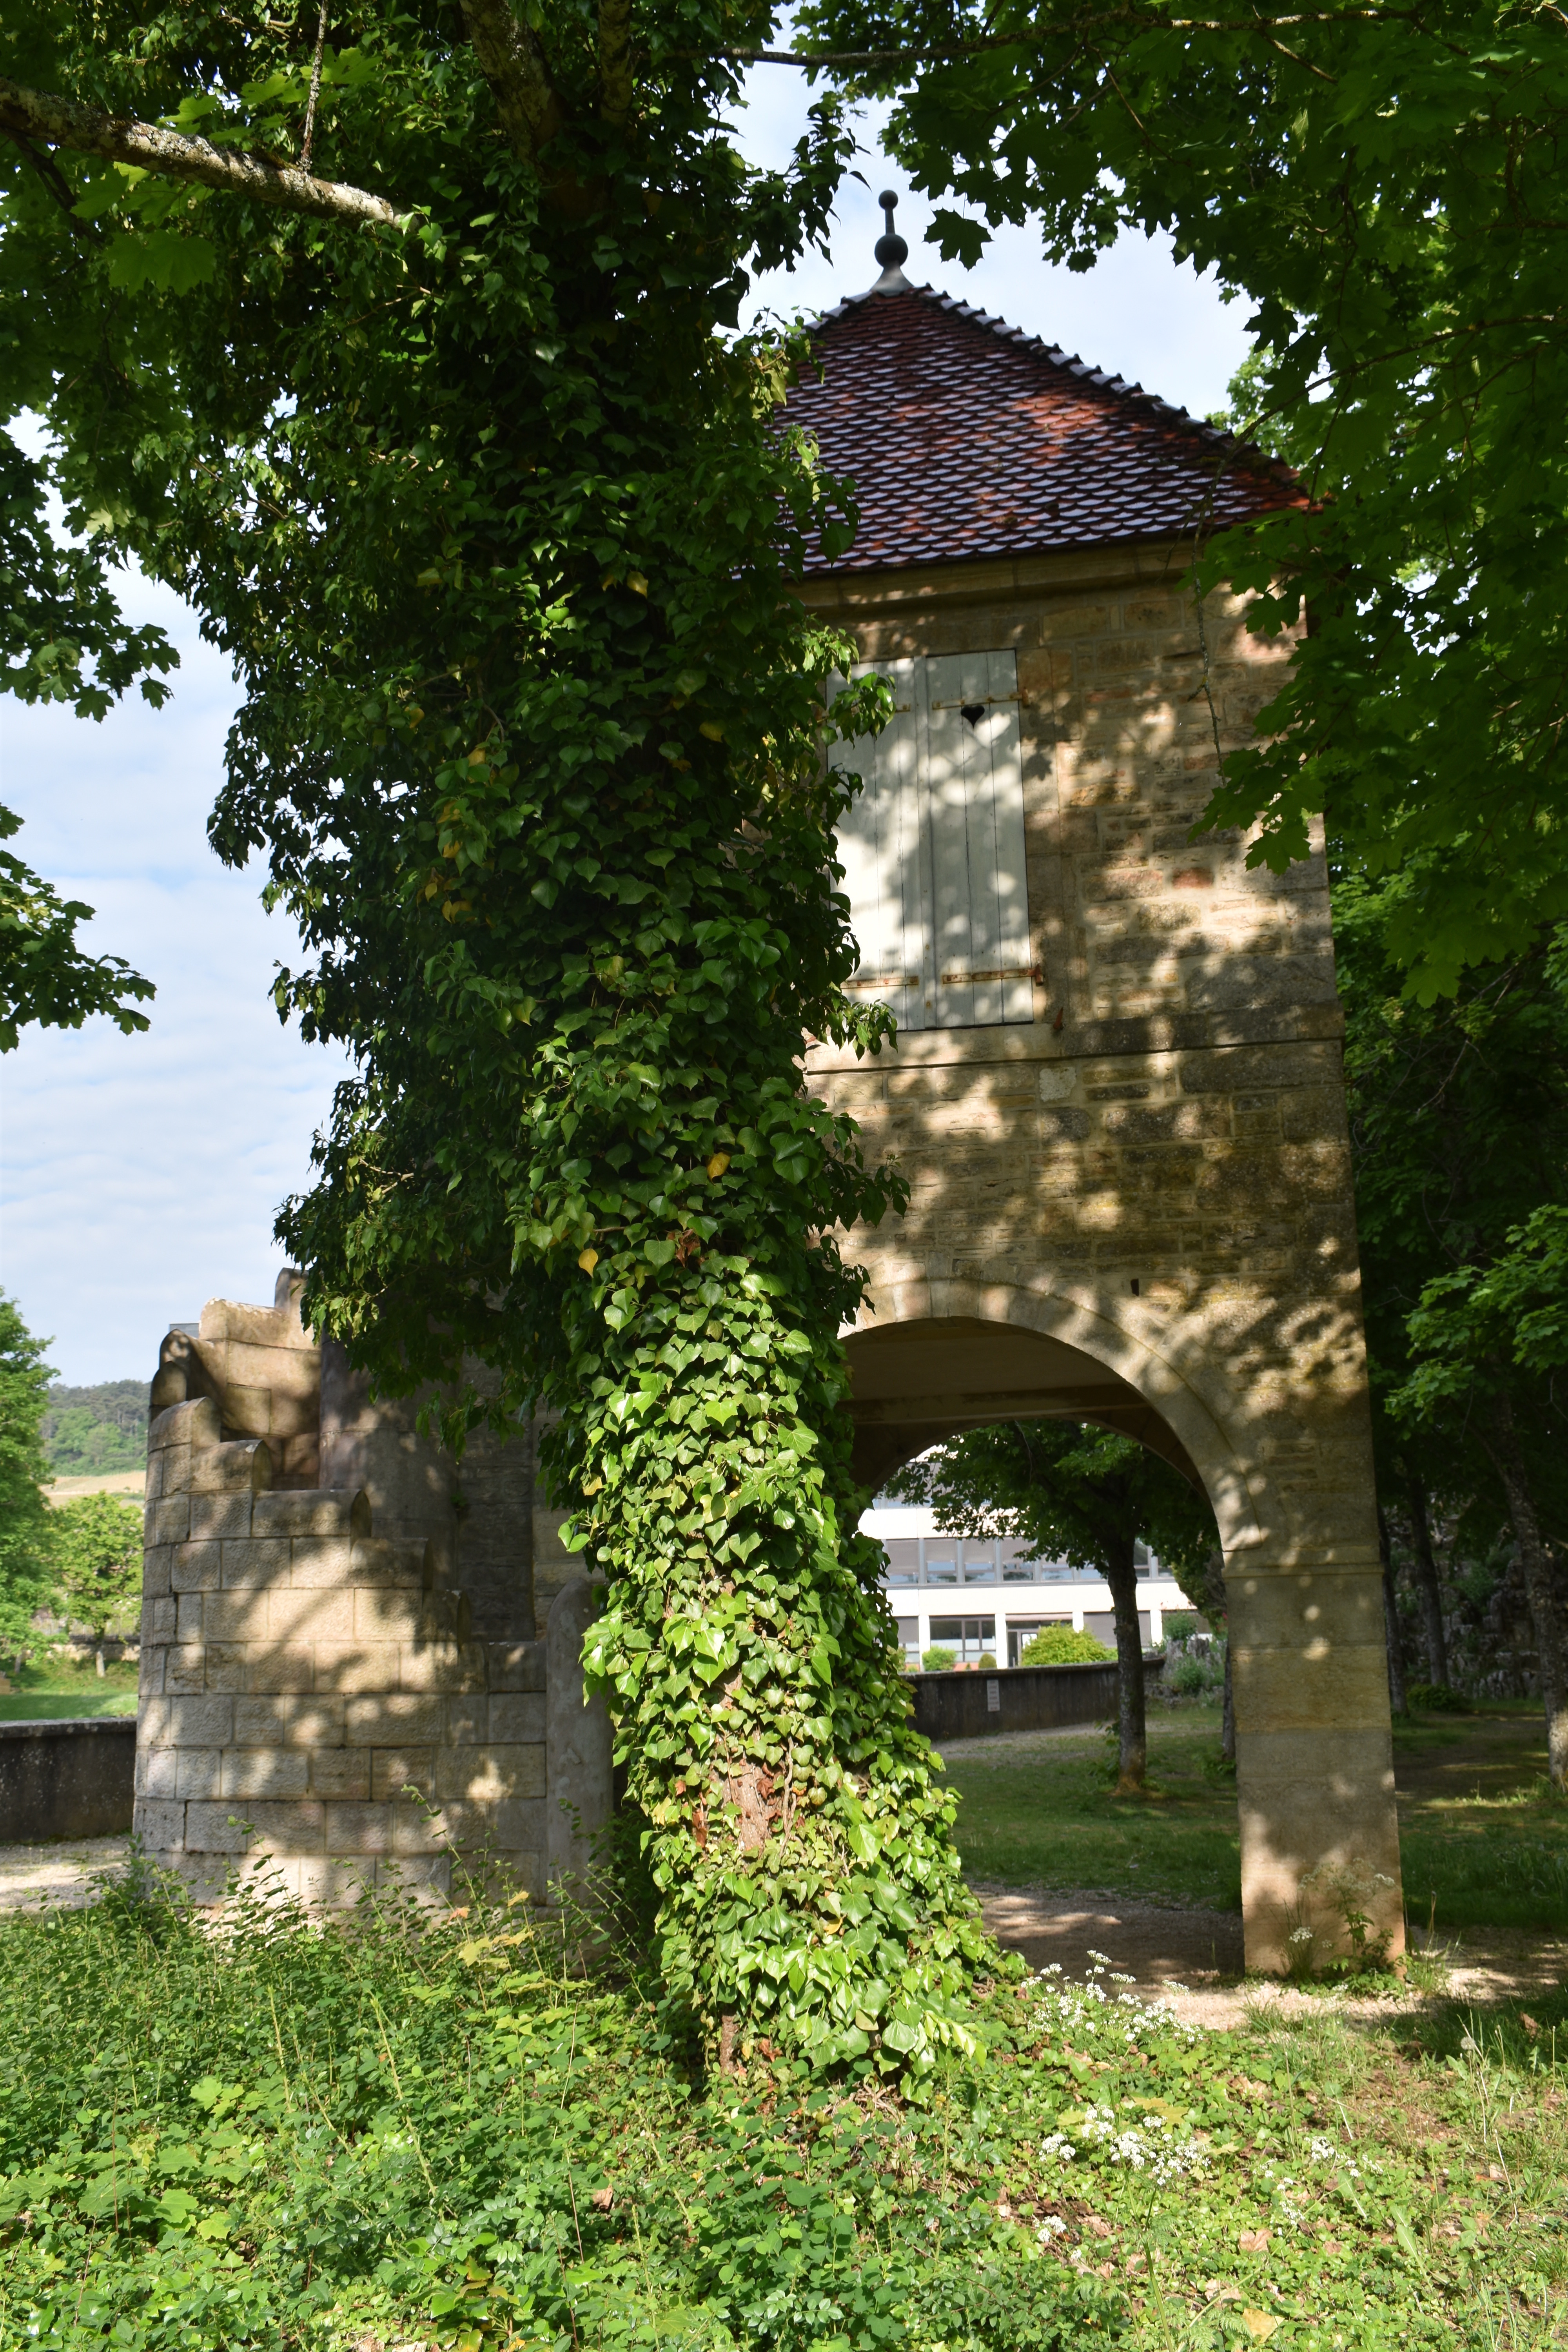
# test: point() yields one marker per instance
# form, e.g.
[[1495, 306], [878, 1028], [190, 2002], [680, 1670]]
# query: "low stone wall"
[[70, 1778], [962, 1705]]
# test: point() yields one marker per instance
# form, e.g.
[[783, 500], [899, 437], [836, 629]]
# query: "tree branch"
[[614, 60], [120, 139], [54, 179], [1124, 19], [514, 63]]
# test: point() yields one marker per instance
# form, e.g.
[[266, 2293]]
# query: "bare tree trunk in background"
[[1428, 1590], [1132, 1755], [1504, 1447], [1397, 1698], [1211, 1596]]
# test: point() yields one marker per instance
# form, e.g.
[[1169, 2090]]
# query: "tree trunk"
[[1427, 1587], [1504, 1447], [1211, 1596], [97, 1658], [1132, 1751], [1398, 1703]]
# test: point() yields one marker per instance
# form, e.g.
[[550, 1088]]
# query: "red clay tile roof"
[[965, 438]]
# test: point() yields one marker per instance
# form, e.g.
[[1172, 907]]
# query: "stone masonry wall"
[[299, 1672], [1155, 1173]]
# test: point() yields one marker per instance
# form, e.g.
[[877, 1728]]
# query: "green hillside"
[[88, 1432]]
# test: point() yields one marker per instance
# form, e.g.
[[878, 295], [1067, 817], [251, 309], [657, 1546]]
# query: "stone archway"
[[1314, 1763]]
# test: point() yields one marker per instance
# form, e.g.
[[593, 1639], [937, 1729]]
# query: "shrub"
[[1059, 1645], [1181, 1625], [938, 1661], [987, 1663], [1435, 1698]]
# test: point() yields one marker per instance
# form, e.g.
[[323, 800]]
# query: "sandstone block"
[[514, 1666], [188, 1617], [157, 1571], [326, 1884], [517, 1719], [357, 1828], [265, 1772], [486, 1775], [252, 1561], [198, 1772], [150, 1669], [185, 1668], [194, 1568], [160, 1621], [414, 1874], [226, 1667], [310, 1617], [181, 1722], [340, 1772], [395, 1769], [196, 1424], [358, 1666], [325, 1511], [241, 1467], [169, 1520], [394, 1718], [287, 1827], [321, 1561], [392, 1564], [383, 1616], [272, 1667], [162, 1826], [441, 1667], [285, 1721], [157, 1771], [219, 1515], [230, 1616]]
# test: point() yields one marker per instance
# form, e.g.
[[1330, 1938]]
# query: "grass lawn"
[[72, 1688], [1482, 1844], [425, 2134]]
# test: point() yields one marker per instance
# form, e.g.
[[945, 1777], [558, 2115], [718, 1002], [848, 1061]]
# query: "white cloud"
[[141, 1174]]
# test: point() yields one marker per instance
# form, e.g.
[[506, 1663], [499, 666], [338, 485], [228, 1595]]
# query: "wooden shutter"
[[885, 854], [933, 846]]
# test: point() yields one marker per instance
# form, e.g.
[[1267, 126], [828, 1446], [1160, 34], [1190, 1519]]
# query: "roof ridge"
[[1057, 355]]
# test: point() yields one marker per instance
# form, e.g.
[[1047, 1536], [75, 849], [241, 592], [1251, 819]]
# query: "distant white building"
[[990, 1599]]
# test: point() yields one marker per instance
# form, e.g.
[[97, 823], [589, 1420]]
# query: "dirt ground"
[[1192, 1959], [34, 1875]]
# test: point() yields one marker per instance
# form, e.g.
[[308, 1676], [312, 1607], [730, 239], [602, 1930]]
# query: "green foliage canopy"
[[26, 1558], [97, 1546], [452, 443], [1383, 185]]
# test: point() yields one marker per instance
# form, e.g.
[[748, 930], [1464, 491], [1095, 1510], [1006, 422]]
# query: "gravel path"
[[34, 1875]]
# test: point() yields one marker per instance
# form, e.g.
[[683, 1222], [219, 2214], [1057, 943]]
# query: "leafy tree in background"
[[26, 1557], [98, 1553], [1384, 186], [98, 1428], [411, 360], [1077, 1494], [61, 640], [1459, 1136]]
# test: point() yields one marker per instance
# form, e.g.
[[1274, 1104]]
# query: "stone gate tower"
[[1116, 1092], [1117, 1089]]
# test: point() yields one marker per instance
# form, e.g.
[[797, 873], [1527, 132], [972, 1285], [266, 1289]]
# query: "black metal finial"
[[891, 251], [890, 247]]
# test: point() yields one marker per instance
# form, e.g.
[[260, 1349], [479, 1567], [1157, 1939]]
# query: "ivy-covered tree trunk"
[[1551, 1645], [1132, 1712], [448, 431], [1428, 1586]]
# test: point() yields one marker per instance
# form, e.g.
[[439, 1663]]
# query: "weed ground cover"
[[1484, 1842], [68, 1687], [427, 2134]]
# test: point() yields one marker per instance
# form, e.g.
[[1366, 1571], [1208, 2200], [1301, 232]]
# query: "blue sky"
[[139, 1177]]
